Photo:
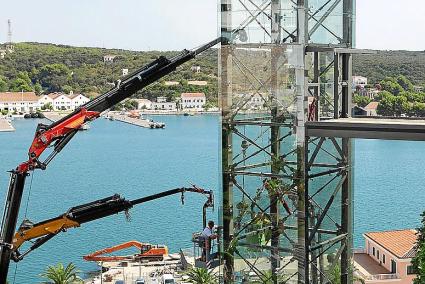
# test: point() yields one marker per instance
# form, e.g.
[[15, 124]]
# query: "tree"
[[53, 76], [47, 106], [334, 275], [3, 84], [131, 105], [62, 275], [38, 89], [401, 106], [417, 109], [201, 276], [381, 95], [386, 106], [361, 101], [392, 86], [405, 83], [418, 262], [19, 85]]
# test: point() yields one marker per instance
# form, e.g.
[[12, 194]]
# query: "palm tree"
[[201, 276], [62, 275]]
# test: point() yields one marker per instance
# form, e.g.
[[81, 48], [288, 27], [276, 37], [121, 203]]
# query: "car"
[[168, 279], [119, 282], [140, 281]]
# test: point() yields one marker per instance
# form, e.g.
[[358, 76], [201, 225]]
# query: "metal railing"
[[383, 277]]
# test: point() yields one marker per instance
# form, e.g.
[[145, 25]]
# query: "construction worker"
[[208, 235]]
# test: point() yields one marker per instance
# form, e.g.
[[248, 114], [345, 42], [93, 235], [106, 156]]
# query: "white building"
[[171, 83], [193, 101], [26, 102], [252, 101], [45, 100], [124, 72], [77, 100], [359, 81], [197, 83], [162, 104], [109, 58], [196, 69], [62, 101], [143, 104], [23, 102]]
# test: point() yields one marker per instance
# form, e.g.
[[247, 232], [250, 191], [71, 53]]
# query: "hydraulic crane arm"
[[43, 231], [59, 133]]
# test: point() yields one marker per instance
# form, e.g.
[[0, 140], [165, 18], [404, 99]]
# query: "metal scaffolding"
[[287, 198]]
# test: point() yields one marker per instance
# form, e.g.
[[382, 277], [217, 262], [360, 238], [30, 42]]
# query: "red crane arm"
[[44, 138]]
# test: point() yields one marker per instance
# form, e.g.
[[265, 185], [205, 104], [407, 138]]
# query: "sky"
[[178, 24]]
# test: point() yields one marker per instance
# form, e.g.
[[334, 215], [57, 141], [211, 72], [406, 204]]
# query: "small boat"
[[85, 126]]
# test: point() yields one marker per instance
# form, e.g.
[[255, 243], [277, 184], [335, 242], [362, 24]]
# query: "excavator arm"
[[58, 134], [41, 232]]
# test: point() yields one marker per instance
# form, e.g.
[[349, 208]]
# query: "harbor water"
[[114, 157]]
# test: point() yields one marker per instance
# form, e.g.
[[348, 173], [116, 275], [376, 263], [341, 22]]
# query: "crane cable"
[[14, 275], [29, 195]]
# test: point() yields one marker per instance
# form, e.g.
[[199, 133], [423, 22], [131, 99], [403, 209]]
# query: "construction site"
[[286, 183]]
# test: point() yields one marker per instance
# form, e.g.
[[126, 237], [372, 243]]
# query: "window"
[[373, 251], [393, 266], [377, 254], [383, 258], [410, 270]]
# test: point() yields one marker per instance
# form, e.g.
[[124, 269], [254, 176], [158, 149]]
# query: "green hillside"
[[377, 67], [49, 68]]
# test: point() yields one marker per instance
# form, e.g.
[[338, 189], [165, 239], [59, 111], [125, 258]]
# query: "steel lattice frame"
[[286, 197]]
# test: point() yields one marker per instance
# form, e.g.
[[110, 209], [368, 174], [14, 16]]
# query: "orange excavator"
[[147, 251]]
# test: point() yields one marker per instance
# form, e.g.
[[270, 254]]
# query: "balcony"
[[368, 269]]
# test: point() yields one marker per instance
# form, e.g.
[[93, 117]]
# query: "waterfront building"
[[193, 101], [19, 102], [256, 101], [143, 104], [387, 257], [61, 101], [162, 104], [77, 100], [45, 100]]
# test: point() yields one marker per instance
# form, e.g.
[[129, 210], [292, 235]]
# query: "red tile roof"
[[54, 95], [372, 105], [193, 95], [400, 243], [18, 96]]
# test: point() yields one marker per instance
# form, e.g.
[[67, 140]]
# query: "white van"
[[168, 279]]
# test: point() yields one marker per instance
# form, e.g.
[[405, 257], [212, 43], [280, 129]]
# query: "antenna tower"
[[9, 31]]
